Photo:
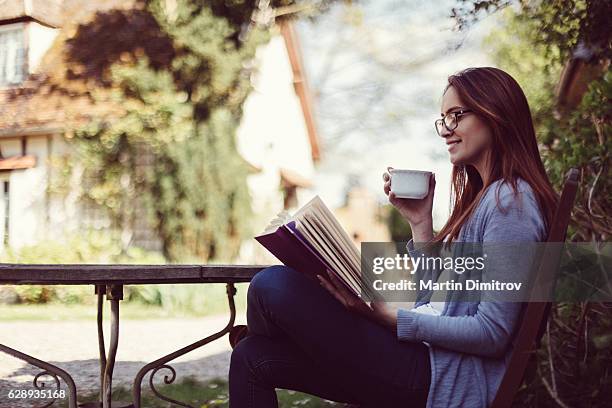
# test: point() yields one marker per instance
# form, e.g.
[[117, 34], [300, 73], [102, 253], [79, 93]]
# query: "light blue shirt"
[[471, 342]]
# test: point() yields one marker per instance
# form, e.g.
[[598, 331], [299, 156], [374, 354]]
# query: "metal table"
[[109, 281]]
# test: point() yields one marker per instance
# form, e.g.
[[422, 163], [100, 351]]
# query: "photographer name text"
[[470, 284]]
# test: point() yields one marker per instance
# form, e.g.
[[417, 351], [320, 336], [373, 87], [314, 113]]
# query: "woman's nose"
[[446, 133]]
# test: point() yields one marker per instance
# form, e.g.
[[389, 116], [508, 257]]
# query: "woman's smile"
[[452, 143]]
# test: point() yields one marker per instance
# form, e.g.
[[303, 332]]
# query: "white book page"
[[327, 220], [314, 238], [326, 216], [317, 205], [332, 243], [335, 252]]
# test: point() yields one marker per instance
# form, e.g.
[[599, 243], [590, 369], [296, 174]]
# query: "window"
[[12, 56]]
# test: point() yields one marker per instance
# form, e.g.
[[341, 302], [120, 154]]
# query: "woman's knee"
[[271, 281], [250, 352]]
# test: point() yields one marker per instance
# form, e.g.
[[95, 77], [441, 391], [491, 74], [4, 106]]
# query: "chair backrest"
[[535, 314]]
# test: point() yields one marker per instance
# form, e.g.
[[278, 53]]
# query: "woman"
[[330, 343]]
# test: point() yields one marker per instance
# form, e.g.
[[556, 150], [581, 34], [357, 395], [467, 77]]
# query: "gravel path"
[[72, 345]]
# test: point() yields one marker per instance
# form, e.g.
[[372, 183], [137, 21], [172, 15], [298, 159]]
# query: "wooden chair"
[[535, 314]]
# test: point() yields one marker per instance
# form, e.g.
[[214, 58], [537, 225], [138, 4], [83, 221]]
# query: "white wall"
[[272, 135], [273, 128], [40, 39], [64, 215], [27, 193], [36, 215]]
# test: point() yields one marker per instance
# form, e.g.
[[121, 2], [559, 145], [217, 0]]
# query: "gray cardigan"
[[471, 342]]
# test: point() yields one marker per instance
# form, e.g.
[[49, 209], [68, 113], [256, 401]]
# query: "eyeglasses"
[[450, 121]]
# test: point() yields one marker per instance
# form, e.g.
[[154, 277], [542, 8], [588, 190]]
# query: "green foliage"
[[34, 294], [85, 247], [537, 73], [563, 24], [187, 299], [579, 140]]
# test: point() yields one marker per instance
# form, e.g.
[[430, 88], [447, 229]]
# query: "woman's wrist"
[[392, 320], [422, 231]]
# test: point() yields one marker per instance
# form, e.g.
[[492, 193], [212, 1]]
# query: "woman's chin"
[[456, 160]]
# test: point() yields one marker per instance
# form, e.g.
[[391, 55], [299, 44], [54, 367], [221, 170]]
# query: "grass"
[[211, 394], [177, 301]]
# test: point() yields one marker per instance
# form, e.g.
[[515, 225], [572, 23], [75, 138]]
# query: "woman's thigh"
[[283, 302]]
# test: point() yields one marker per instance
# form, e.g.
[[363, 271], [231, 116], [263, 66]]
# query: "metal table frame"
[[109, 281]]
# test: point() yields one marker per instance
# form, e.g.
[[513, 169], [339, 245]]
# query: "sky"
[[377, 70]]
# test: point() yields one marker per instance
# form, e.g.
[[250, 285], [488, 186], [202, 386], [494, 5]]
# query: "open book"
[[313, 241]]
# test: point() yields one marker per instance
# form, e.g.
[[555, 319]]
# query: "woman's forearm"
[[487, 333]]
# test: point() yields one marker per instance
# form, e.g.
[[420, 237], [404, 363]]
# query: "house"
[[27, 29], [277, 137], [576, 75]]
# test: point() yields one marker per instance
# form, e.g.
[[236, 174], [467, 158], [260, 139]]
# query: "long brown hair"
[[499, 101]]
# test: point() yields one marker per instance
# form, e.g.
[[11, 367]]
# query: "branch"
[[579, 331], [550, 359], [552, 394]]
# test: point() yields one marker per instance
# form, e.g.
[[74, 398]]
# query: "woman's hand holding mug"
[[416, 211]]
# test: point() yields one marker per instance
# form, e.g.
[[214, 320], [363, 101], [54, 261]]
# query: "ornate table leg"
[[49, 369], [100, 291], [114, 293], [161, 362]]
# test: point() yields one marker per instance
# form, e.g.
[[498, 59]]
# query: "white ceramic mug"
[[410, 183]]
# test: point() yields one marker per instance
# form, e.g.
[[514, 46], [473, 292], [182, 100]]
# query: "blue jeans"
[[302, 338]]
